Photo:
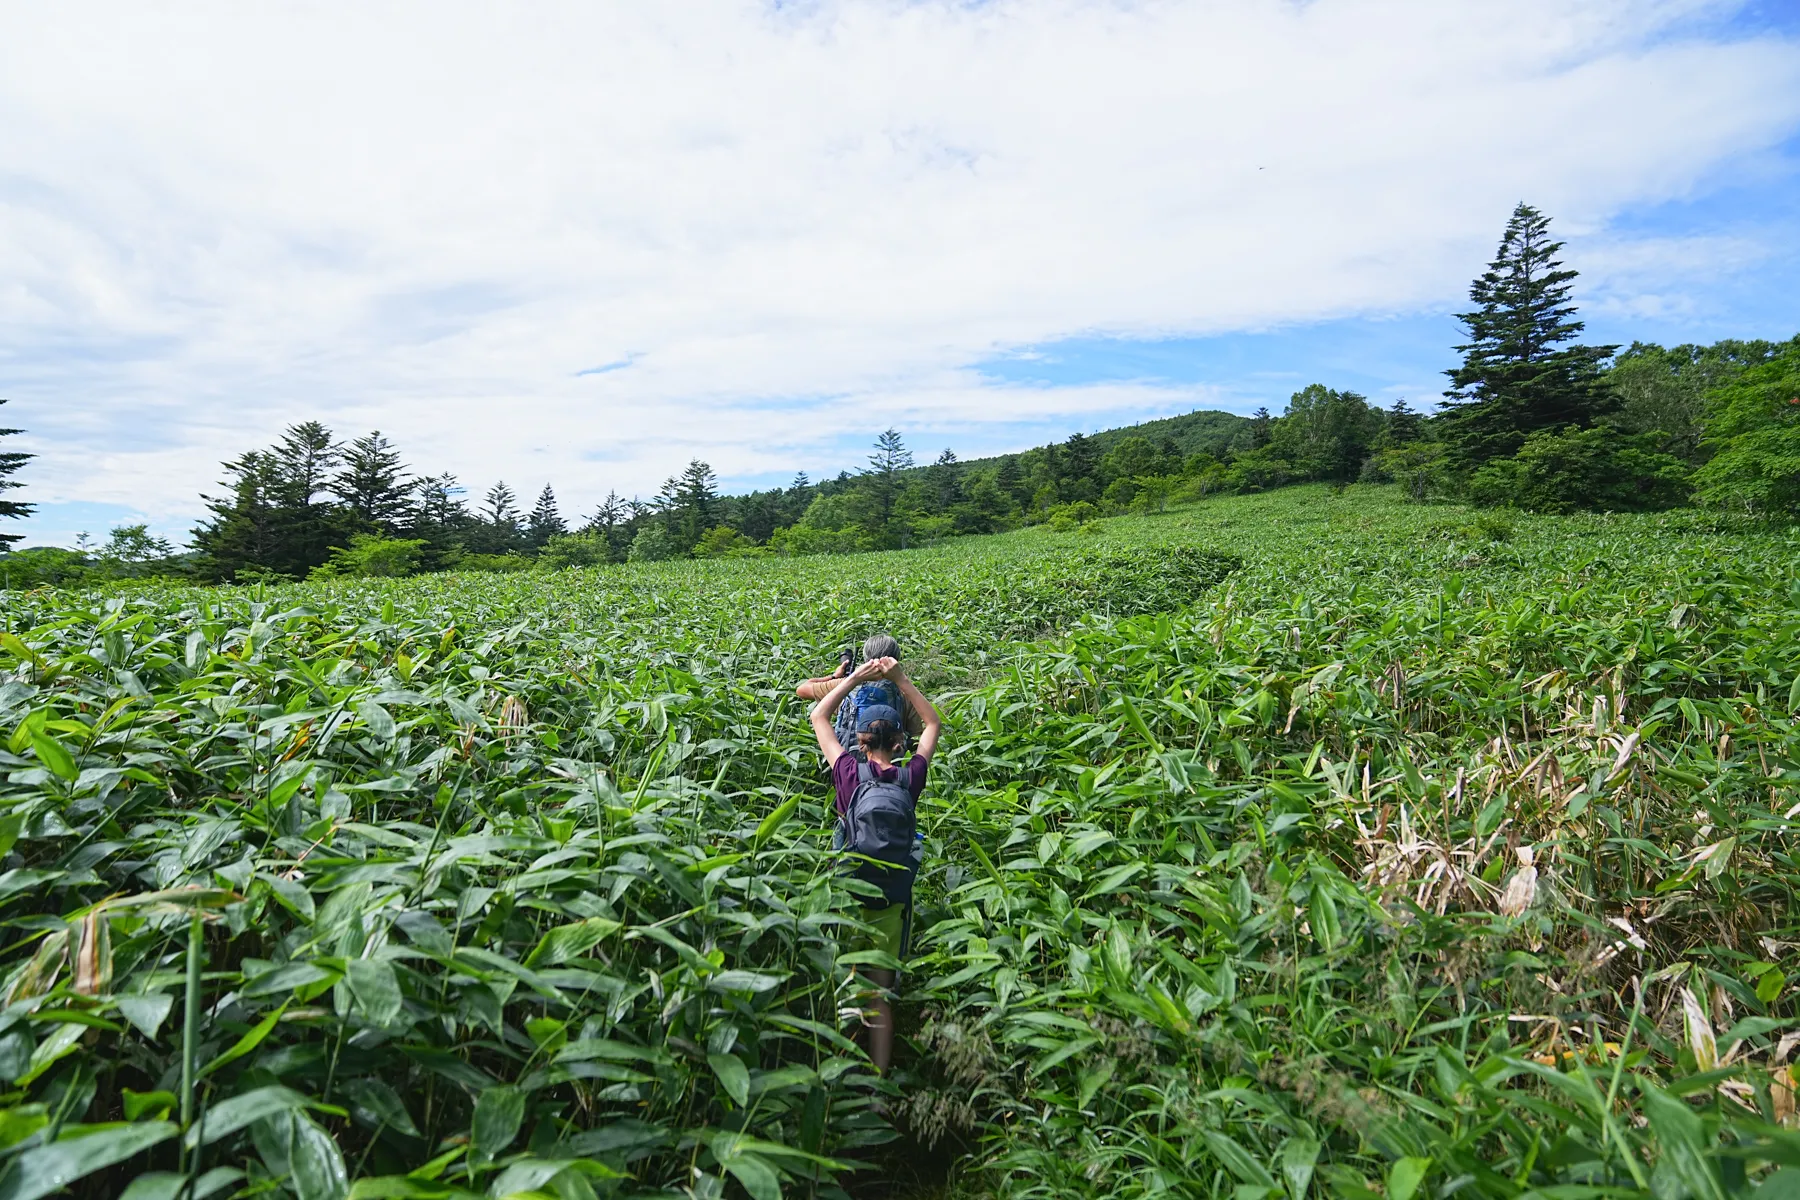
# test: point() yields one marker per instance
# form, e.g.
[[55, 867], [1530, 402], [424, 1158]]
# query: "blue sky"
[[584, 248]]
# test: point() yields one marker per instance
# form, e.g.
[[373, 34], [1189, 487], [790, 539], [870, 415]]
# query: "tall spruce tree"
[[373, 483], [881, 484], [945, 481], [245, 530], [609, 513], [307, 524], [1520, 373], [1402, 425], [611, 520], [499, 506], [11, 461], [694, 502], [545, 520], [1262, 428], [440, 519]]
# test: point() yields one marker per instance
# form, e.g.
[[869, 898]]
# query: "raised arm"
[[827, 707], [819, 686], [934, 724]]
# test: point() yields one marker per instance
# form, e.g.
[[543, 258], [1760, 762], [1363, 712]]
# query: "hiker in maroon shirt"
[[880, 736]]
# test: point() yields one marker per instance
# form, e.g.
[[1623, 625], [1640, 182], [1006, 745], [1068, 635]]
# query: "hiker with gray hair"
[[879, 690]]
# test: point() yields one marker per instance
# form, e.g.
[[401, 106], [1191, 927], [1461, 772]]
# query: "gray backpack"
[[879, 829]]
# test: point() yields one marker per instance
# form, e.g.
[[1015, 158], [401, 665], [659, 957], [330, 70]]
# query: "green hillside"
[[1205, 430], [1287, 844]]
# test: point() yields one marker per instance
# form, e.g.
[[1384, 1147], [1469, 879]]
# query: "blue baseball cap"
[[866, 717]]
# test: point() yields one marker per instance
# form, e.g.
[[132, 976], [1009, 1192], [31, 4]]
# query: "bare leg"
[[881, 1026]]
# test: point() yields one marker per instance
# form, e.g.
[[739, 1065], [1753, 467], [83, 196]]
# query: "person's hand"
[[871, 668]]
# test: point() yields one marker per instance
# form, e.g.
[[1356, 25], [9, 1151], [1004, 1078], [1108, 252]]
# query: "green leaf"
[[1768, 987], [51, 1168], [378, 719], [1720, 858], [498, 1115], [1751, 1027], [1137, 722], [140, 1104], [375, 1103], [564, 942], [733, 1075], [1322, 916], [52, 1049], [1405, 1176], [757, 1176], [1236, 1159], [1114, 879], [529, 1176], [1782, 1185], [20, 1122], [225, 1118], [167, 1185], [250, 1041], [1062, 1053], [743, 981], [289, 977], [1681, 1142], [146, 1013], [291, 1145], [766, 828], [1298, 1155], [284, 791], [55, 756], [20, 651], [407, 1187], [376, 988]]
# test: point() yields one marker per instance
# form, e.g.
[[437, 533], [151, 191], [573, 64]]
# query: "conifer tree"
[[10, 462], [1079, 458], [1402, 425], [499, 507], [245, 529], [373, 483], [1262, 428], [440, 519], [307, 525], [545, 521], [609, 514], [1520, 373], [611, 521], [694, 497], [946, 481], [439, 506], [881, 482]]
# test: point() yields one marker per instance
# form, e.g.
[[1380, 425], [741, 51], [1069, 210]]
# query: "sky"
[[583, 243]]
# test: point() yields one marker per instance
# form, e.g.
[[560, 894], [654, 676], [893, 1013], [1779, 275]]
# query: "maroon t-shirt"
[[843, 775]]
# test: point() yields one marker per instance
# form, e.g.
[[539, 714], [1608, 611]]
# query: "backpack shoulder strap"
[[865, 771]]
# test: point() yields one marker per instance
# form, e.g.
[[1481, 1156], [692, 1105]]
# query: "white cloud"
[[437, 218]]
